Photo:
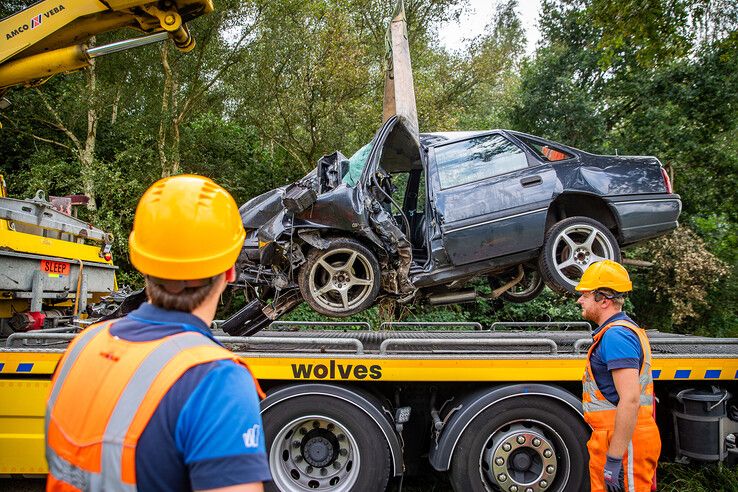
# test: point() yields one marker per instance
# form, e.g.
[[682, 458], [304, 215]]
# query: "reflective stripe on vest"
[[592, 398], [76, 455]]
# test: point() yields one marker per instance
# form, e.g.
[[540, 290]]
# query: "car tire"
[[341, 280], [552, 448], [528, 289], [570, 246], [319, 443]]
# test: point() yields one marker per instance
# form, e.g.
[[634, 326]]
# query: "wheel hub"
[[318, 449], [314, 454], [340, 279], [581, 256], [521, 460]]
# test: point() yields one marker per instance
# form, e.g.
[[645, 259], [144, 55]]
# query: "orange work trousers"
[[639, 461]]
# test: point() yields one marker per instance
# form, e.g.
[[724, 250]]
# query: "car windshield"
[[356, 165]]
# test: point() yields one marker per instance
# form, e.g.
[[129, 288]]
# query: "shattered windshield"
[[356, 165]]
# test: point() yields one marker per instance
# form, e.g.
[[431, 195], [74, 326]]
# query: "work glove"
[[614, 475]]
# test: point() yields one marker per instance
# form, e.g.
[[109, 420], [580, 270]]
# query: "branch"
[[235, 57], [59, 123], [15, 128]]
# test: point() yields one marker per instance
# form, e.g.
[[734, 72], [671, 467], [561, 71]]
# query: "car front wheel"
[[570, 246], [340, 280]]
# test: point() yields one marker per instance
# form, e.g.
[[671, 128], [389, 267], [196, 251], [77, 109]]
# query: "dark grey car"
[[417, 220]]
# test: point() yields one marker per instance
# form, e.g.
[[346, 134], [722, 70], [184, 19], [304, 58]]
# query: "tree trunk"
[[176, 123], [116, 104], [165, 118], [87, 152]]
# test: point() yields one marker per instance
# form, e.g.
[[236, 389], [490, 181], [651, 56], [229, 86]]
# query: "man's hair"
[[617, 298], [186, 300]]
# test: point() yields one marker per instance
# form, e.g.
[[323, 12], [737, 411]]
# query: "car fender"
[[475, 403], [356, 397]]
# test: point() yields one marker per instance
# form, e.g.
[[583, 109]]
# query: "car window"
[[545, 151], [356, 164], [477, 158]]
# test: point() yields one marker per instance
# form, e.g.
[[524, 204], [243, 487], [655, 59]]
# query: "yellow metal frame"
[[22, 408], [39, 245], [338, 368], [22, 401]]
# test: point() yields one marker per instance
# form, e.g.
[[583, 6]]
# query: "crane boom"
[[49, 36]]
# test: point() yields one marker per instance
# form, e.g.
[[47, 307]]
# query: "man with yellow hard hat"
[[152, 401], [617, 386]]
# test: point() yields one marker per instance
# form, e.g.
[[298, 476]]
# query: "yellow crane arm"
[[49, 37]]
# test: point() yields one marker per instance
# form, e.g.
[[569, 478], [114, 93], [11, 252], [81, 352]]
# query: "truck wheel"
[[570, 246], [340, 280], [522, 444], [322, 443]]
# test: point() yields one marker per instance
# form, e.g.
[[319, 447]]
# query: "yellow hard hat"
[[186, 227], [605, 274]]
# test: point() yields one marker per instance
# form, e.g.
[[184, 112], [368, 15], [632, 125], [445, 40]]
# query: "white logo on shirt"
[[251, 437]]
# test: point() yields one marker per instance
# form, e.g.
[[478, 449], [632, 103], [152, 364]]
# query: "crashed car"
[[420, 218]]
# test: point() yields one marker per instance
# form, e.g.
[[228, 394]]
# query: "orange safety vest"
[[641, 458], [103, 394]]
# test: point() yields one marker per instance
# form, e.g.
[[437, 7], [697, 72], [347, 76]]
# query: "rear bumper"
[[645, 216]]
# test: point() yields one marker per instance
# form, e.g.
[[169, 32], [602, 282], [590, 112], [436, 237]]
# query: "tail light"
[[667, 181]]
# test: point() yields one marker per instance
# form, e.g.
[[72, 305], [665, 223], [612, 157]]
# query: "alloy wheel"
[[577, 247], [341, 279]]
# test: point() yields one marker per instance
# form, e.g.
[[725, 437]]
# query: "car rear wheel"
[[340, 280], [526, 290], [571, 245]]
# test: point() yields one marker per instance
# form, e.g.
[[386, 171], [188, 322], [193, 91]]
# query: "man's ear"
[[231, 274]]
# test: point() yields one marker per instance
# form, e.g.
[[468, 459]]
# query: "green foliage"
[[697, 478], [231, 153], [654, 78], [684, 272], [273, 85]]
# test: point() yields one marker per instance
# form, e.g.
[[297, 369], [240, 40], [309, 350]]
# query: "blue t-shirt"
[[619, 348], [207, 431]]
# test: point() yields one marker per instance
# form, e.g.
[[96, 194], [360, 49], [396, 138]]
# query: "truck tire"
[[528, 443], [341, 280], [570, 246], [316, 442]]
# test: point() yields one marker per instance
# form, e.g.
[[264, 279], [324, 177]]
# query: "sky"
[[455, 35]]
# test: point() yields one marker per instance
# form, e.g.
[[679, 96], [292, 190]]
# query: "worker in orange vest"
[[617, 386], [152, 401]]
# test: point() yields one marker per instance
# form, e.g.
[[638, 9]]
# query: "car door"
[[490, 197]]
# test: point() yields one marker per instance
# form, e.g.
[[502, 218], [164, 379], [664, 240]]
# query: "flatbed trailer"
[[349, 408]]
